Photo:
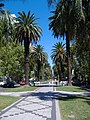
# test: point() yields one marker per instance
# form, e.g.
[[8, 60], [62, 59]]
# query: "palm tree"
[[55, 71], [58, 53], [40, 57], [47, 71], [27, 30], [64, 23]]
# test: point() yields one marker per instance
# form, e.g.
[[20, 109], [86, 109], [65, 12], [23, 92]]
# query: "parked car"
[[32, 82], [22, 82], [76, 82], [2, 82], [64, 82], [53, 83], [9, 84]]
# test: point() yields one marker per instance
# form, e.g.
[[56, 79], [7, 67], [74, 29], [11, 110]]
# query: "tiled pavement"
[[38, 105]]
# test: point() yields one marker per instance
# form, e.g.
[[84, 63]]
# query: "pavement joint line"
[[13, 104], [9, 107], [41, 103], [26, 111], [33, 110]]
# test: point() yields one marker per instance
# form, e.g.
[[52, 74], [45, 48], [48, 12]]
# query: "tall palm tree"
[[47, 71], [64, 23], [58, 53], [40, 57], [27, 30], [55, 71]]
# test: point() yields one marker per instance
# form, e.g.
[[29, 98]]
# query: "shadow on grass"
[[47, 96], [87, 101], [87, 88]]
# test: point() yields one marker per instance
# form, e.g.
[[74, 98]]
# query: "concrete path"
[[39, 105]]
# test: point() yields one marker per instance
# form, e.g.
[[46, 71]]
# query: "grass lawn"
[[71, 89], [6, 101], [20, 89], [74, 108]]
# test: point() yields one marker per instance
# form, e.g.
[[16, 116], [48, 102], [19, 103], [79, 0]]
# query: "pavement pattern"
[[39, 105]]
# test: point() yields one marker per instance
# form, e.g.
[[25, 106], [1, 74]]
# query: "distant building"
[[5, 13]]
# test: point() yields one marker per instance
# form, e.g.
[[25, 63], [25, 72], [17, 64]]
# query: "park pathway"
[[39, 105]]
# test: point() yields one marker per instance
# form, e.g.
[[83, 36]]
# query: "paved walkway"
[[39, 105]]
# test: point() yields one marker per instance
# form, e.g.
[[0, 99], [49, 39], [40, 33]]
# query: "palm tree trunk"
[[26, 57], [59, 71], [89, 59], [68, 59], [38, 71]]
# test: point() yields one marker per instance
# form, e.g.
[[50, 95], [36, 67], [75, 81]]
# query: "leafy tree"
[[6, 28], [11, 61], [28, 30]]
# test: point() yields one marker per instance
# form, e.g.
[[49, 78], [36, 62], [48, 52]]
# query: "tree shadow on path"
[[57, 95]]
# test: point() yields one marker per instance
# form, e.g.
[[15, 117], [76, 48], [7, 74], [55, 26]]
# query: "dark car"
[[76, 81], [9, 84]]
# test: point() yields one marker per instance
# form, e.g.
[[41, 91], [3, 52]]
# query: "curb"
[[10, 106], [13, 104], [58, 111], [37, 89]]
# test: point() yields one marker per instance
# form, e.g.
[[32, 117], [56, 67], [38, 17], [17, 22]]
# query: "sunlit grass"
[[20, 89], [71, 89], [74, 108], [6, 101]]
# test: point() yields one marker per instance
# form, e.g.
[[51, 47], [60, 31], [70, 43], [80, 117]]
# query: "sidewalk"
[[38, 105]]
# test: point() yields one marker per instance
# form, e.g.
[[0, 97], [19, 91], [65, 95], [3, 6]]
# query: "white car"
[[63, 83], [2, 82]]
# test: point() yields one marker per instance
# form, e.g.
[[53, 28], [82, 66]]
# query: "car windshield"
[[1, 80]]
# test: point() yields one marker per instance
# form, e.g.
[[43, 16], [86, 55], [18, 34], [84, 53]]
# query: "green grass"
[[20, 89], [71, 89], [74, 108], [6, 101]]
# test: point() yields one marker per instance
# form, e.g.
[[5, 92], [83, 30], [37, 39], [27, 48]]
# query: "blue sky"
[[41, 11]]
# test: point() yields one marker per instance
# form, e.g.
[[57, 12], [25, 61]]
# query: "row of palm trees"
[[67, 21]]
